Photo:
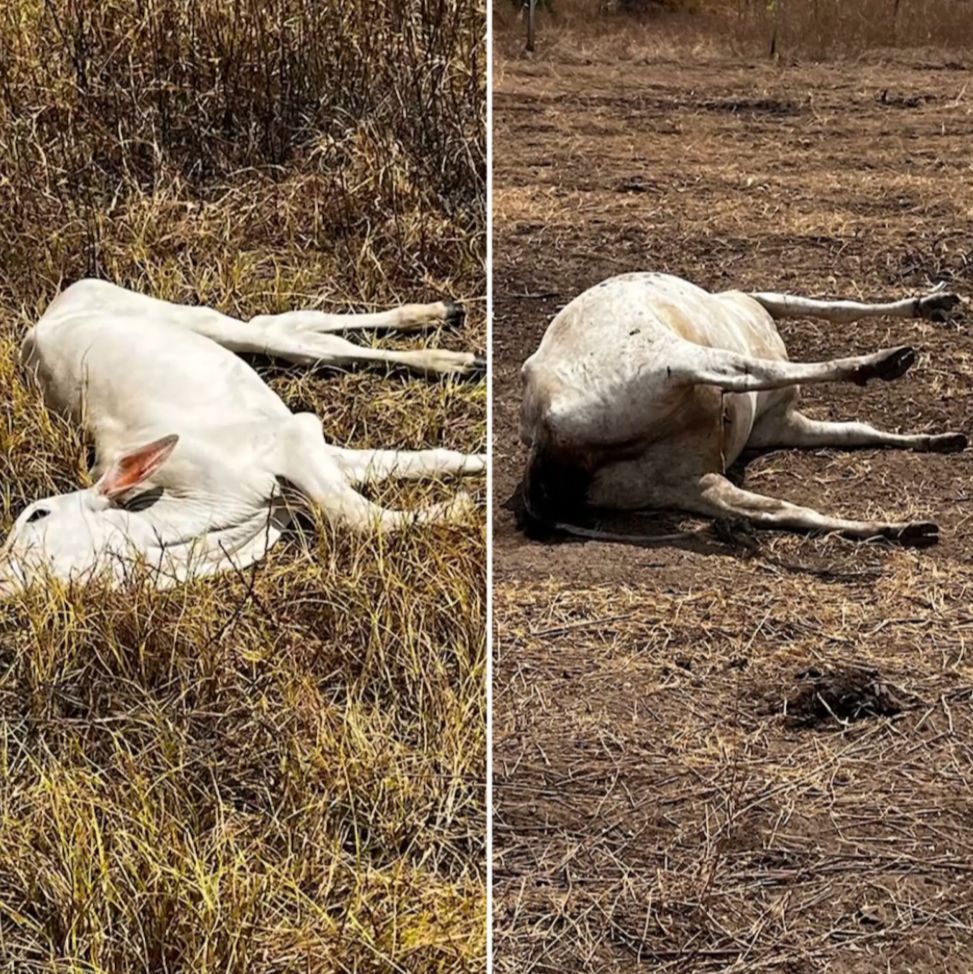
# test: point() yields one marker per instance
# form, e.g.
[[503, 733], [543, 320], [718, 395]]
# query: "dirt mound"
[[840, 696]]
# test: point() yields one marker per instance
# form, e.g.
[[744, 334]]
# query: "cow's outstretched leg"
[[790, 428], [732, 372], [716, 497], [374, 466], [308, 463], [935, 306], [304, 337], [311, 348], [408, 317]]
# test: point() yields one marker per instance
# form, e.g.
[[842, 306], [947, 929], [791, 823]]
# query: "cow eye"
[[37, 514]]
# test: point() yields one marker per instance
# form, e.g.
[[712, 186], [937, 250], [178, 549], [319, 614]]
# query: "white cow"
[[646, 388], [190, 444]]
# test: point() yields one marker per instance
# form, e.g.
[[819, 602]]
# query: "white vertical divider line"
[[488, 8]]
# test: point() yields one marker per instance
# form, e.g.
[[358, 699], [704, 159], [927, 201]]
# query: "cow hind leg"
[[306, 338], [934, 306], [717, 497], [267, 336], [406, 318], [791, 428], [733, 372]]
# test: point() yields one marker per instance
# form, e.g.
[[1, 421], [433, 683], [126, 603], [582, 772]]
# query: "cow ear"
[[134, 468]]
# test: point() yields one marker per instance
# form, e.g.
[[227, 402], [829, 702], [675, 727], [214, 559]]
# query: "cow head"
[[77, 535]]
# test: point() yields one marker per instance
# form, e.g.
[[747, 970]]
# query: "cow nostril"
[[37, 515]]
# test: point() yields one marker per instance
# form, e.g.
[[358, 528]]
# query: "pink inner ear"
[[132, 469]]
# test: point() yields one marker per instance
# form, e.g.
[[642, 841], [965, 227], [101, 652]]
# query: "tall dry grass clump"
[[282, 770]]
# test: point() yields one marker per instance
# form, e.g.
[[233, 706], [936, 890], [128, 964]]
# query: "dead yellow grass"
[[813, 29], [284, 770]]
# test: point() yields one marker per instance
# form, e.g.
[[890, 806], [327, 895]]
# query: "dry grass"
[[282, 771], [815, 29], [702, 815], [756, 754]]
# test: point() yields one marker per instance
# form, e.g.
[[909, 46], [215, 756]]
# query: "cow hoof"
[[918, 534], [896, 363], [479, 367], [947, 443], [441, 361], [459, 509], [936, 307], [891, 366], [455, 314]]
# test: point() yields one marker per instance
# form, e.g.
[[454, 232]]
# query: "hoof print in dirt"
[[840, 696], [634, 184]]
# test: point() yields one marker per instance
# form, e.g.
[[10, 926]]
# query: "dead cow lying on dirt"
[[190, 443], [646, 388]]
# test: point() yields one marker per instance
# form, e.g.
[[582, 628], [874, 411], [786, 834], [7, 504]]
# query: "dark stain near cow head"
[[556, 485], [558, 481]]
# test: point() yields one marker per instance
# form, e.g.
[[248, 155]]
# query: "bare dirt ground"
[[732, 755]]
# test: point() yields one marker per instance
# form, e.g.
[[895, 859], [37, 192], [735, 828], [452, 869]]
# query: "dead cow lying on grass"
[[190, 443], [646, 388]]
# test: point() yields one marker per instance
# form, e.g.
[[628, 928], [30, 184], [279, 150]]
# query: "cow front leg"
[[306, 461], [793, 429], [374, 466], [346, 508], [716, 497]]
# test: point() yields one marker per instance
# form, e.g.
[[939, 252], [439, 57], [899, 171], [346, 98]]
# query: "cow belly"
[[714, 434], [657, 478]]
